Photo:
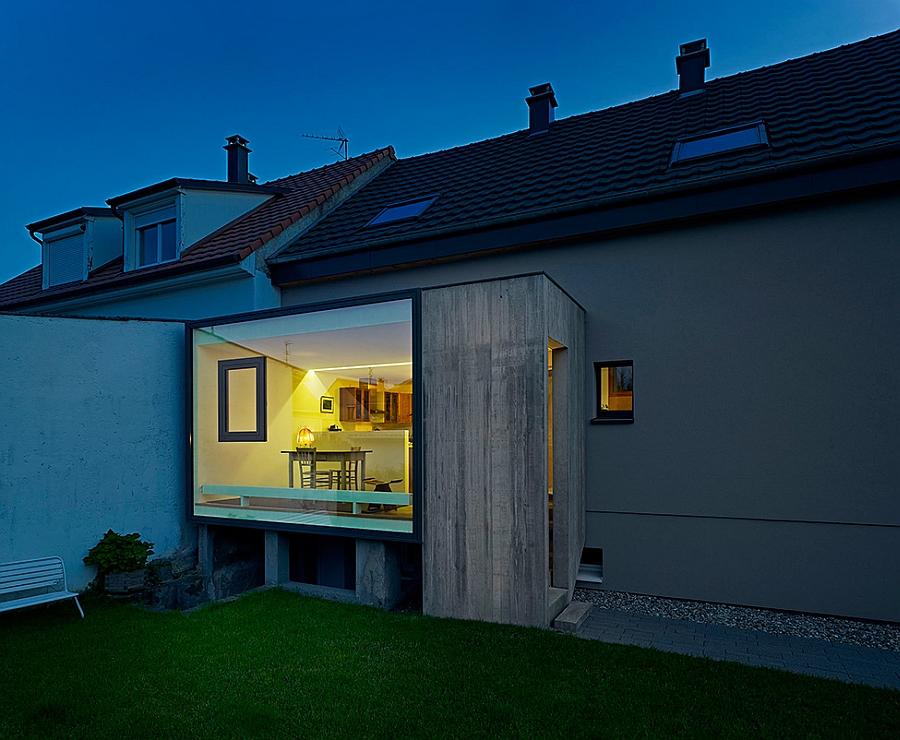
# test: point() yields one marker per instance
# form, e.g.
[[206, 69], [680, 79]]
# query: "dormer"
[[76, 243], [162, 221]]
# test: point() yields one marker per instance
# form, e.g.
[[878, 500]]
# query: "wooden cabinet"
[[356, 404], [404, 411], [363, 404], [398, 408]]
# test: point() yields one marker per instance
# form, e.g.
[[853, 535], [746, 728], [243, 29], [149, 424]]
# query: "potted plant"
[[121, 561]]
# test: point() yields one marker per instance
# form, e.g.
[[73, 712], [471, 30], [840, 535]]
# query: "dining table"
[[344, 457]]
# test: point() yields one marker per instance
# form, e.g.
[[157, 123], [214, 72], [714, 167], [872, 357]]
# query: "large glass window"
[[306, 419]]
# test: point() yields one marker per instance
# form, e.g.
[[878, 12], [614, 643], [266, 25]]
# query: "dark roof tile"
[[841, 101]]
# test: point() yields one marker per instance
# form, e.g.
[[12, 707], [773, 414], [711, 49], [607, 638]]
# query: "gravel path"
[[848, 631]]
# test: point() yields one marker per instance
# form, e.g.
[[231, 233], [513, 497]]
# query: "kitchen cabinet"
[[356, 404]]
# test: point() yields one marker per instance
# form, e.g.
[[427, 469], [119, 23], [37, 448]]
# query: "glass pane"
[[148, 246], [398, 213], [615, 389], [343, 378], [167, 241], [242, 400], [719, 143]]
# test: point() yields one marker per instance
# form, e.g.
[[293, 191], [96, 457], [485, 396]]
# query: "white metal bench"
[[31, 582]]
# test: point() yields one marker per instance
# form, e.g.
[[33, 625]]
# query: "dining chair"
[[310, 477], [352, 468]]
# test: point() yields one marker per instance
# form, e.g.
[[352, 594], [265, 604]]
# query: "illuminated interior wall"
[[241, 463]]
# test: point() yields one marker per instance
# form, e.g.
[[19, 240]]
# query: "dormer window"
[[76, 243], [64, 256], [156, 236], [157, 243]]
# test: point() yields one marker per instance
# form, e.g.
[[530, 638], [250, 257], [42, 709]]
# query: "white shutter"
[[66, 260]]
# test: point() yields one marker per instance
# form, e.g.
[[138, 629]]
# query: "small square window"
[[615, 392]]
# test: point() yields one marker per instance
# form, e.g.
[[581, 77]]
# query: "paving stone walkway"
[[798, 654]]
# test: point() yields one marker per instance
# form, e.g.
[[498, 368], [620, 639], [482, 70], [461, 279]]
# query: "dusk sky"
[[101, 98]]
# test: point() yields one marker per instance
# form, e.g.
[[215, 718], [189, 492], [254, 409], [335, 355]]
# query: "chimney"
[[540, 108], [691, 64], [237, 159]]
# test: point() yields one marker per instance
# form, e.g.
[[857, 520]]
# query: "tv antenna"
[[342, 149]]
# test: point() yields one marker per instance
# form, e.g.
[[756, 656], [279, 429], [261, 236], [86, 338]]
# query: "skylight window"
[[720, 142], [402, 211]]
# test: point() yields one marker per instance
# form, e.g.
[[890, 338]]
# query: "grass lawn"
[[276, 664]]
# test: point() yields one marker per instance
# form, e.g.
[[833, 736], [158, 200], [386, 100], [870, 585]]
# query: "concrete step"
[[556, 602], [572, 617]]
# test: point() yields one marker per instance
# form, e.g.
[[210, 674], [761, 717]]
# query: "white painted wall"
[[226, 291], [91, 436], [204, 211]]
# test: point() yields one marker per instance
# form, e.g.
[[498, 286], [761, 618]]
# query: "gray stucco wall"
[[92, 436], [762, 465]]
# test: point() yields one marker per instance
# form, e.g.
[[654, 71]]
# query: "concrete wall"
[[92, 436], [767, 402], [565, 328], [485, 542], [484, 549]]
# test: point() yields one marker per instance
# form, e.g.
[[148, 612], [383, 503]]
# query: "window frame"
[[759, 127], [138, 218], [378, 220], [605, 416], [415, 537], [260, 434], [141, 231]]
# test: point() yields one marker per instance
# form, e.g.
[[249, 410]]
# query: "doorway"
[[554, 353]]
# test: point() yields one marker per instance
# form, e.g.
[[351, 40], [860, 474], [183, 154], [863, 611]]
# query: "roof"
[[834, 105], [83, 212], [294, 197], [185, 182]]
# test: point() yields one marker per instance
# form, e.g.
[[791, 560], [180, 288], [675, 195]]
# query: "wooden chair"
[[352, 483], [310, 477]]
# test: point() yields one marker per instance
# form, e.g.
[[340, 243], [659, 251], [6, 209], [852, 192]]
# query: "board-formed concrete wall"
[[485, 542], [92, 436]]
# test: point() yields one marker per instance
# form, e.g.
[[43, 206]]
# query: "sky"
[[101, 98]]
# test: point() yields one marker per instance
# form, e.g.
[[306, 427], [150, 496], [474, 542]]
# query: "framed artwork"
[[326, 405]]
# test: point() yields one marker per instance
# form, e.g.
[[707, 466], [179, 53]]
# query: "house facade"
[[648, 349]]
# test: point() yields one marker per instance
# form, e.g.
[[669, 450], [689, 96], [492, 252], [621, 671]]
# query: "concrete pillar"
[[378, 573], [205, 535], [277, 558]]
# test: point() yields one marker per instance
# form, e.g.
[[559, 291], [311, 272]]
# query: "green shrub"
[[119, 553]]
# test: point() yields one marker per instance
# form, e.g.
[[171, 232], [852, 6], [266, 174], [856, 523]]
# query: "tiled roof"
[[845, 101], [233, 242]]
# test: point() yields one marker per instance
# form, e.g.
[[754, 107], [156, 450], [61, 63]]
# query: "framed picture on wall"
[[327, 405]]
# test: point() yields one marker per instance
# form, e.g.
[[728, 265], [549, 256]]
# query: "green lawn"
[[276, 664]]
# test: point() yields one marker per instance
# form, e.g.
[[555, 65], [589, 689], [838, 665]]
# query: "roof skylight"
[[720, 142], [402, 211]]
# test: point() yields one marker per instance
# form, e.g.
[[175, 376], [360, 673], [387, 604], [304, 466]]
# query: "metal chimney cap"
[[542, 91], [692, 48], [236, 140]]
